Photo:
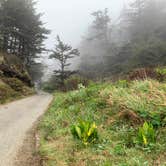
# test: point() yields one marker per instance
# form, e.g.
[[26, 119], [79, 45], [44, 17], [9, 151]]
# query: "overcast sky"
[[70, 18]]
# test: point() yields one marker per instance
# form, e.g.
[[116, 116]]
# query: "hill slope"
[[118, 110], [14, 79]]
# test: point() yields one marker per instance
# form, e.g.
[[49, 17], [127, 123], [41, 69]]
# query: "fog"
[[70, 18], [119, 36], [98, 38]]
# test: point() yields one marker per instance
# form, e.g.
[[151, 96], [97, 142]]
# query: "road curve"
[[16, 119]]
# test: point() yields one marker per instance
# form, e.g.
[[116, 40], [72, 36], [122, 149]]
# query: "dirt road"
[[16, 119]]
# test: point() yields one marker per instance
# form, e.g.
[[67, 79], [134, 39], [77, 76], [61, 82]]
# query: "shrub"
[[48, 87], [85, 131], [74, 82], [152, 73], [6, 93], [143, 74], [161, 73], [15, 84], [146, 134]]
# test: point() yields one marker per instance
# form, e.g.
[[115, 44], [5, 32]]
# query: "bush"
[[15, 84], [145, 73], [12, 88], [6, 93], [142, 74], [161, 73], [73, 83], [85, 131], [48, 87]]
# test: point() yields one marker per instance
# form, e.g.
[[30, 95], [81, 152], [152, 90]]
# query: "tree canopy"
[[21, 30], [136, 39], [62, 54]]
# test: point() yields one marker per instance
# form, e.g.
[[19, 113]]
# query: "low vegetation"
[[12, 89], [122, 123], [85, 131], [15, 81], [146, 134], [70, 83]]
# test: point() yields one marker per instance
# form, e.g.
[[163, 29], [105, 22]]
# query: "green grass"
[[118, 110]]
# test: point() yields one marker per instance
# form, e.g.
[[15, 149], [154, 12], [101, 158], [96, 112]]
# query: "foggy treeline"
[[136, 39]]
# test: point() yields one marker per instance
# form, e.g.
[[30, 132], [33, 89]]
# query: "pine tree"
[[21, 30], [62, 54], [101, 25]]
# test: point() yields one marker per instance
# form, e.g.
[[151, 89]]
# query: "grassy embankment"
[[118, 110], [13, 89], [14, 79]]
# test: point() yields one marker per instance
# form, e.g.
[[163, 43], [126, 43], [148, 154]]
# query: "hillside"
[[15, 81], [117, 112]]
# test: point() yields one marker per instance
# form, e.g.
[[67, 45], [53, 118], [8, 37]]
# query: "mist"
[[86, 80], [129, 21], [70, 19]]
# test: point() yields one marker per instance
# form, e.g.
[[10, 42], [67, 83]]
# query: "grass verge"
[[118, 110]]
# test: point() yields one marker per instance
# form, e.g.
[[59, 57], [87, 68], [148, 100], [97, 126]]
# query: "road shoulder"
[[28, 153]]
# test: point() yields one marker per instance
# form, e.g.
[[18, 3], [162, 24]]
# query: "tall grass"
[[119, 110]]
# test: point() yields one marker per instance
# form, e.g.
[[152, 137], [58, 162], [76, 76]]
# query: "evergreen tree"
[[62, 54], [95, 46], [101, 25], [21, 30], [146, 44]]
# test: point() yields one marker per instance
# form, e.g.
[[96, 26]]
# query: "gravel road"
[[16, 119]]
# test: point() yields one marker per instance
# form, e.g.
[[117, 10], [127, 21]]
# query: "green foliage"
[[6, 93], [142, 44], [21, 24], [119, 149], [105, 104], [148, 53], [73, 83], [161, 71], [85, 131], [62, 54], [15, 84], [12, 88], [48, 87], [122, 83], [146, 134]]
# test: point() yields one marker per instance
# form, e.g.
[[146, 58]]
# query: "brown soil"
[[28, 154], [129, 116]]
